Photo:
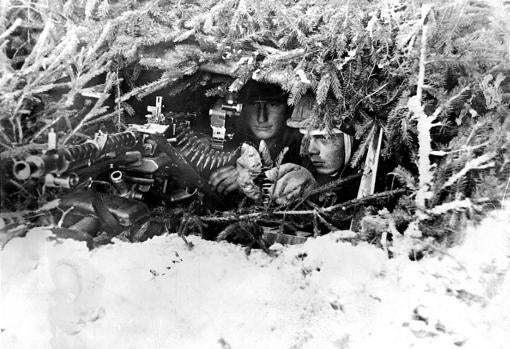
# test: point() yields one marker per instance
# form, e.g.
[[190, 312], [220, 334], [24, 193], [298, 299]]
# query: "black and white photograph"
[[234, 174]]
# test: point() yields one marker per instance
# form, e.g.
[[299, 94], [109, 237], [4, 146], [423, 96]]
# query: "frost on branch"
[[424, 126]]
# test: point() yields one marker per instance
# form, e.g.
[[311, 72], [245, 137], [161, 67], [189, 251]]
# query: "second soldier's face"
[[265, 119], [327, 153]]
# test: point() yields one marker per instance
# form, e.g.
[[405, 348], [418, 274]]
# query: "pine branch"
[[98, 107], [348, 204], [405, 177], [480, 162], [323, 88], [148, 88], [232, 217], [337, 183], [424, 122], [363, 147], [11, 29]]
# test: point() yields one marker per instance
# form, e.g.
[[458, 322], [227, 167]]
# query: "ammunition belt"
[[202, 155]]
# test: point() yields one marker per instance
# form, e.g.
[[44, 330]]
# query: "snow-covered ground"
[[323, 294]]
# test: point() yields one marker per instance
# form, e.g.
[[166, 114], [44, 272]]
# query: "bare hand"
[[224, 180]]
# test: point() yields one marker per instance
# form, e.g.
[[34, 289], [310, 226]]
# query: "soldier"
[[328, 152], [263, 118]]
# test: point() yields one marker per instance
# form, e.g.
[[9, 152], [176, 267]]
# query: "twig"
[[322, 219], [64, 214], [102, 118], [325, 222], [153, 86], [384, 241], [438, 111], [20, 150], [337, 183], [423, 51], [348, 7], [181, 231], [463, 148], [342, 206], [370, 95], [477, 163], [424, 123], [286, 55], [231, 218], [20, 187], [316, 230], [449, 206], [20, 128], [3, 145], [506, 188], [42, 130], [11, 29], [223, 69], [119, 108], [262, 244], [19, 231], [96, 109], [345, 205]]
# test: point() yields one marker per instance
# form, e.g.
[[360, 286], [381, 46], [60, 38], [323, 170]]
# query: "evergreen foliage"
[[72, 65]]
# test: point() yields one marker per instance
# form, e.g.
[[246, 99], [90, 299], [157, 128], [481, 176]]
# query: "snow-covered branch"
[[424, 123], [449, 206], [478, 163]]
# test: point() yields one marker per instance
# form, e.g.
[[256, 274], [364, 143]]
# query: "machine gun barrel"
[[90, 150], [61, 160]]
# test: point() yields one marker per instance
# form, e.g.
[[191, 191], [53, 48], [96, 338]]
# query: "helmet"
[[304, 113], [306, 117]]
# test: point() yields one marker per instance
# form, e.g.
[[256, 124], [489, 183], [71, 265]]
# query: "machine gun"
[[114, 179]]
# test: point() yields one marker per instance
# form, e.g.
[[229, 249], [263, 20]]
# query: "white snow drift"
[[323, 294]]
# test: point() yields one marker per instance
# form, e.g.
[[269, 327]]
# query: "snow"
[[326, 293]]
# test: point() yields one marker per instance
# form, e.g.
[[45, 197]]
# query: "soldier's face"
[[327, 153], [265, 119]]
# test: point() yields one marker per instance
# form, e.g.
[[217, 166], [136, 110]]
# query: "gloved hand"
[[290, 181], [224, 180], [249, 166]]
